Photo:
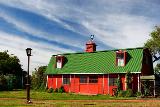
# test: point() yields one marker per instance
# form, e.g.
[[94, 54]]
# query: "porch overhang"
[[148, 77]]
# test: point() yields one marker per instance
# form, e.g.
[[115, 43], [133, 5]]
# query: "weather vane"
[[92, 37]]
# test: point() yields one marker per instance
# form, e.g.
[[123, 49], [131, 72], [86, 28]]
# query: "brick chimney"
[[91, 45]]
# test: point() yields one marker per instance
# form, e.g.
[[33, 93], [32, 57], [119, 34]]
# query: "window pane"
[[120, 55], [112, 81], [93, 79], [120, 62], [83, 79], [66, 80]]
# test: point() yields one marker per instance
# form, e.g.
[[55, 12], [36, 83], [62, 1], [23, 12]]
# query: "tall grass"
[[44, 99], [56, 96]]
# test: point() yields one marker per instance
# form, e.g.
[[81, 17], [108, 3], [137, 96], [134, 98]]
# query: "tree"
[[157, 68], [9, 64], [154, 43], [3, 83], [10, 71], [38, 80]]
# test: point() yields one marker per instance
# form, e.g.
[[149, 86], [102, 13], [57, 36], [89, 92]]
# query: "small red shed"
[[96, 72]]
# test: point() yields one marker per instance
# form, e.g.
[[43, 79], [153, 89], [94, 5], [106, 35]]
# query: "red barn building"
[[96, 72]]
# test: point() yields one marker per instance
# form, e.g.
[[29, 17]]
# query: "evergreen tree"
[[38, 81]]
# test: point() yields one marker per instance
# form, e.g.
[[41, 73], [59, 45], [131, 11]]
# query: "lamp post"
[[28, 51]]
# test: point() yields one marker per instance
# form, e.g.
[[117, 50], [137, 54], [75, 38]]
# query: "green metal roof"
[[97, 62]]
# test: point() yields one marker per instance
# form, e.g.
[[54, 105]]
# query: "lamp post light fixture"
[[28, 51]]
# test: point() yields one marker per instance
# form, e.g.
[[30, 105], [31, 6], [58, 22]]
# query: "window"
[[59, 61], [93, 79], [88, 79], [83, 79], [120, 55], [66, 80], [112, 81], [120, 58]]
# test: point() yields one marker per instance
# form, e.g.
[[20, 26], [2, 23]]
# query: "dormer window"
[[59, 61], [120, 58]]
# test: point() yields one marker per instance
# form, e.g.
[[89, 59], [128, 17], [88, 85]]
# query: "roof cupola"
[[91, 45]]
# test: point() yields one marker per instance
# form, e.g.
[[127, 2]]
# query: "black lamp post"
[[28, 51]]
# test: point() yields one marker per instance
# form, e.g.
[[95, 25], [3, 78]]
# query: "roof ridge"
[[100, 51]]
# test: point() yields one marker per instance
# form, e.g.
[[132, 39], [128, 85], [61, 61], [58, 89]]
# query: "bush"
[[138, 94], [50, 90], [42, 87], [56, 90], [122, 93], [127, 93], [61, 89]]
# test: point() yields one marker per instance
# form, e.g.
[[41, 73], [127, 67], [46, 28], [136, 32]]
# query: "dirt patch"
[[134, 100]]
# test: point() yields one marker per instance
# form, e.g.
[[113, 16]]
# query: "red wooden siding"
[[55, 81], [100, 84], [72, 84], [59, 81], [76, 82], [105, 90], [123, 82], [93, 88], [51, 81], [135, 83]]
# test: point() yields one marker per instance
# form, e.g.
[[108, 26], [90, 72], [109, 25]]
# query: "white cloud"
[[98, 18], [17, 45], [114, 23], [24, 27], [118, 30], [44, 8]]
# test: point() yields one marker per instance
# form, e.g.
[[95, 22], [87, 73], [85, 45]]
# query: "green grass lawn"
[[44, 99], [56, 96]]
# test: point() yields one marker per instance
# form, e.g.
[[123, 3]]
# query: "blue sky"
[[63, 26]]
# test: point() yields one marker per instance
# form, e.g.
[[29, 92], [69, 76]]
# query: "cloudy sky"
[[63, 26]]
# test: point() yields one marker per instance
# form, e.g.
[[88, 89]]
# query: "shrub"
[[129, 93], [118, 84], [122, 93], [42, 87], [138, 94], [56, 90], [50, 90], [61, 89]]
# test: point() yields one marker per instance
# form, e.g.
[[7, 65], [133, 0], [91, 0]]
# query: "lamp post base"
[[28, 93], [29, 102]]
